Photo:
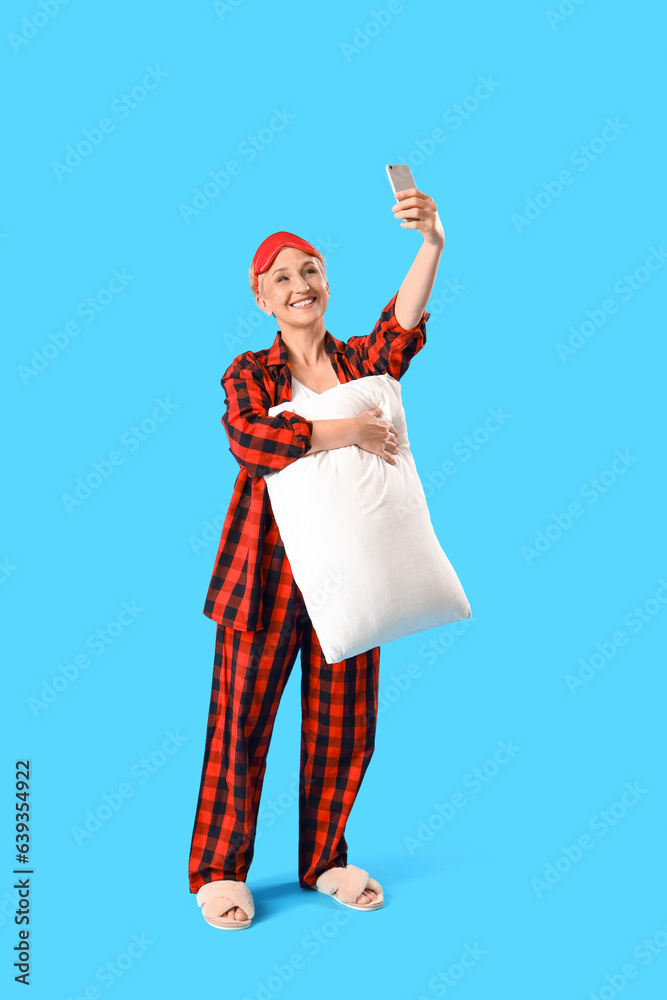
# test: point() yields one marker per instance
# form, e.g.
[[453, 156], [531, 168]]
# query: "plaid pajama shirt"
[[262, 623]]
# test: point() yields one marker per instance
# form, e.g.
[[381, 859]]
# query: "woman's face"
[[294, 276]]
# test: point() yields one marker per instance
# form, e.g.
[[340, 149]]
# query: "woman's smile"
[[303, 303]]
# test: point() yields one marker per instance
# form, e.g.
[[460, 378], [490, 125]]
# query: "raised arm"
[[417, 210], [390, 347]]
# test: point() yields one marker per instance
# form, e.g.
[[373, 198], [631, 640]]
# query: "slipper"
[[217, 897], [347, 884]]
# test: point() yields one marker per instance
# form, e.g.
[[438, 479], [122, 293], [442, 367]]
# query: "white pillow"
[[358, 534]]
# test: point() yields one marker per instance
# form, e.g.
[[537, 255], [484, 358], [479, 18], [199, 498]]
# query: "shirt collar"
[[277, 354]]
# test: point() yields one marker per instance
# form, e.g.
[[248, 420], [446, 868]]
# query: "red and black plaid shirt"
[[254, 382]]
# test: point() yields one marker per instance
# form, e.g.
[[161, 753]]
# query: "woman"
[[261, 618]]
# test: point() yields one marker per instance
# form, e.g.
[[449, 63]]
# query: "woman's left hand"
[[418, 211]]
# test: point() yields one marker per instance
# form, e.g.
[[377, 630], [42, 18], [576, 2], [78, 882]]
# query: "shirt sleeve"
[[390, 348], [260, 443]]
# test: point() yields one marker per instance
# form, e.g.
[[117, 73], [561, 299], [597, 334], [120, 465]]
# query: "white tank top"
[[301, 391]]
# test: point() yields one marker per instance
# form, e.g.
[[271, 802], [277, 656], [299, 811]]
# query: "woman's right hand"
[[375, 434]]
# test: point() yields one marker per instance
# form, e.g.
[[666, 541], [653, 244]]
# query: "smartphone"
[[400, 177]]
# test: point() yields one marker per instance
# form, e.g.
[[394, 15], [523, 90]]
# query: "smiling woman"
[[262, 620], [314, 260]]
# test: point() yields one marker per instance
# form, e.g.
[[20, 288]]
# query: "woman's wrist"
[[437, 243]]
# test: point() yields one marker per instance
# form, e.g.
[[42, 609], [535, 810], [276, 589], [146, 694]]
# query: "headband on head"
[[272, 245]]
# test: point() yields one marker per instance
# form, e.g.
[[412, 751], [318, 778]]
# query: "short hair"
[[251, 275]]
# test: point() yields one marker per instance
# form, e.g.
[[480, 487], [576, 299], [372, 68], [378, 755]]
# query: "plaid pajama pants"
[[339, 711]]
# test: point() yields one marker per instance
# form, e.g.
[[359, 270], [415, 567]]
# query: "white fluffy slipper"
[[347, 884], [217, 897]]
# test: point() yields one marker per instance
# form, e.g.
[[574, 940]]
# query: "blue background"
[[358, 99]]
